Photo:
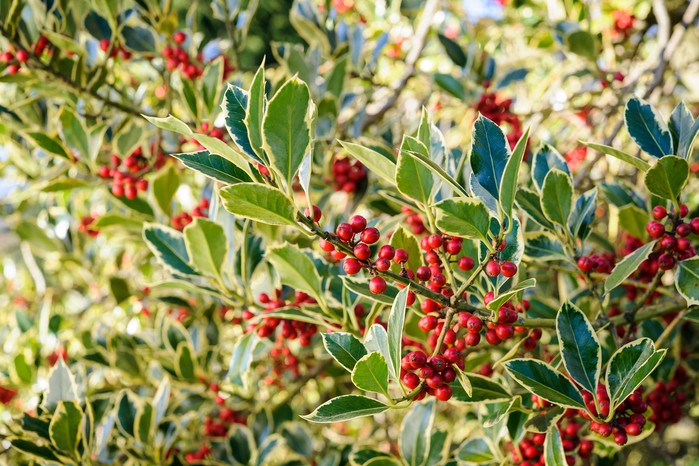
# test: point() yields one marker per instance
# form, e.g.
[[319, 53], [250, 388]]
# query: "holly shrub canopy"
[[349, 232]]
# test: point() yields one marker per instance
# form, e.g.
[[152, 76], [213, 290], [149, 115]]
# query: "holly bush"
[[349, 232]]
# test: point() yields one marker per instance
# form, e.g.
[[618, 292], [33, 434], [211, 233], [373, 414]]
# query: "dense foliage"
[[349, 232]]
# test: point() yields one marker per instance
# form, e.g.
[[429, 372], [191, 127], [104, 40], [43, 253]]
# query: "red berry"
[[695, 225], [666, 261], [326, 246], [488, 297], [508, 269], [142, 185], [443, 393], [435, 381], [453, 247], [387, 252], [633, 429], [411, 380], [684, 210], [428, 306], [370, 235], [423, 273], [655, 229], [22, 56], [344, 231], [417, 359], [338, 255], [316, 213], [683, 229], [435, 241], [179, 37], [358, 223], [401, 256], [352, 266], [492, 269], [659, 212], [504, 331], [362, 251], [585, 264], [492, 337], [377, 285], [466, 263], [620, 438], [382, 265], [472, 338], [427, 323], [474, 324]]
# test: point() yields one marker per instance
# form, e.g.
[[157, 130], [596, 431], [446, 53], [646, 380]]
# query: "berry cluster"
[[290, 329], [84, 226], [673, 245], [623, 24], [414, 220], [116, 49], [530, 451], [183, 219], [628, 419], [347, 175], [194, 457], [15, 60], [600, 263], [666, 399], [493, 107], [129, 181], [177, 57]]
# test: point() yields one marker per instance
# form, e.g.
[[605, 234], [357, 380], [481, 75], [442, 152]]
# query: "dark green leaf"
[[557, 197], [489, 155], [647, 128], [544, 381], [414, 179], [65, 427], [543, 246], [628, 368], [580, 348], [475, 450], [580, 221], [168, 247], [234, 105], [582, 43], [543, 421], [511, 174], [346, 407], [483, 390], [466, 218], [213, 166], [454, 50], [345, 348]]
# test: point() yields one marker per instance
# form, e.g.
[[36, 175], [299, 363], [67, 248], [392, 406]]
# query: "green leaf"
[[557, 197], [127, 410], [580, 221], [74, 133], [296, 269], [49, 144], [475, 450], [667, 177], [346, 407], [627, 266], [687, 280], [415, 434], [580, 348], [508, 188], [505, 296], [450, 84], [621, 155], [376, 340], [33, 450], [258, 202], [466, 218], [213, 166], [286, 127], [543, 246], [207, 246], [255, 111], [633, 219], [687, 140], [112, 220], [61, 386], [544, 381], [170, 123], [165, 184], [211, 83], [144, 423], [414, 179], [242, 444], [129, 138], [489, 155], [243, 352], [544, 420], [374, 161], [483, 390], [647, 128], [371, 374], [345, 348], [396, 321], [680, 125], [545, 160], [185, 366], [361, 287], [138, 39], [21, 369], [582, 43], [628, 368], [554, 455], [234, 105], [530, 202], [454, 50], [168, 246], [65, 427]]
